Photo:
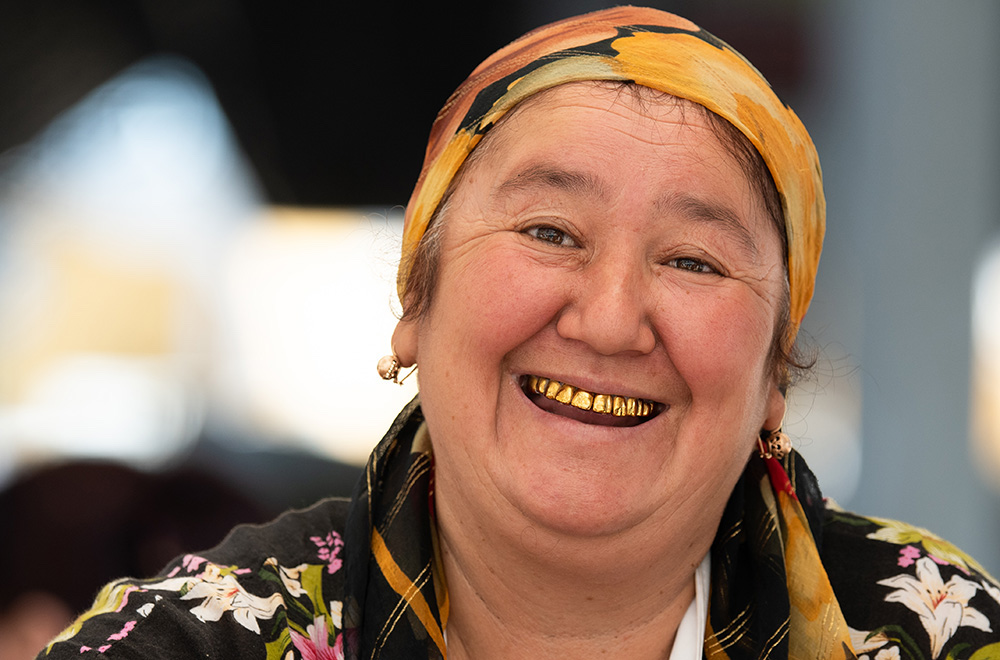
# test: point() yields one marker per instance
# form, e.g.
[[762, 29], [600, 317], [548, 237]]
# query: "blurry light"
[[267, 329], [986, 366], [104, 406], [825, 427], [145, 162], [312, 295], [117, 218]]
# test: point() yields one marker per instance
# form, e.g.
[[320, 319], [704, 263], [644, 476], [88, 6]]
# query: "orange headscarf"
[[654, 49]]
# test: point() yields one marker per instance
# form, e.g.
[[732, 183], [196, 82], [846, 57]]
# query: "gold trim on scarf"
[[407, 590]]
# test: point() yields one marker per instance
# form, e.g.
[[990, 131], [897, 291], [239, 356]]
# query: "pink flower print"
[[116, 637], [908, 555], [317, 645], [190, 563], [124, 602], [123, 633], [329, 550]]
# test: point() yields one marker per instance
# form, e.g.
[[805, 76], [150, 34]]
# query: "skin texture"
[[612, 243]]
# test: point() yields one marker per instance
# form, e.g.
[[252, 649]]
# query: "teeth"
[[566, 394], [582, 400], [552, 391], [618, 407], [608, 404]]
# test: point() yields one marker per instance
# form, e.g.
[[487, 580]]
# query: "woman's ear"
[[775, 409], [404, 343]]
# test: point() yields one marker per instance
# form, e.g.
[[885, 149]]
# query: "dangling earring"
[[776, 445], [388, 368]]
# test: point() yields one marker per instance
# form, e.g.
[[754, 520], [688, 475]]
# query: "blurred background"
[[200, 209]]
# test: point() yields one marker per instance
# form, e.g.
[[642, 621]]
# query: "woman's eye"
[[693, 265], [552, 235]]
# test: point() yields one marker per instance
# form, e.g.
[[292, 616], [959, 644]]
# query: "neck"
[[540, 594]]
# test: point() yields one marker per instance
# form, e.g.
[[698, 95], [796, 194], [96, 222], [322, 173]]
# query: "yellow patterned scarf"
[[654, 49]]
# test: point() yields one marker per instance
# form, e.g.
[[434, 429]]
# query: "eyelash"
[[561, 238], [556, 236], [692, 265]]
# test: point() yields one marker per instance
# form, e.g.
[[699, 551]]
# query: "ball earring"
[[388, 368], [776, 445]]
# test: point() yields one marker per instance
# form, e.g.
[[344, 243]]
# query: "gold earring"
[[776, 445], [388, 368]]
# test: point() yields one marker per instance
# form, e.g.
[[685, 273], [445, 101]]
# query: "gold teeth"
[[607, 404]]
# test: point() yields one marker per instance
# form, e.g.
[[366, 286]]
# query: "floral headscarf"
[[650, 48]]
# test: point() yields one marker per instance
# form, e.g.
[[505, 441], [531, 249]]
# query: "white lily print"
[[337, 613], [942, 607], [220, 594], [227, 595], [863, 641], [891, 653], [290, 577]]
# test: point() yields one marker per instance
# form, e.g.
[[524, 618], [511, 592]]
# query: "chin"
[[575, 503]]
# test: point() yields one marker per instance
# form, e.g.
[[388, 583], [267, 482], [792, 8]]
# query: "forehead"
[[605, 145], [647, 115], [595, 123]]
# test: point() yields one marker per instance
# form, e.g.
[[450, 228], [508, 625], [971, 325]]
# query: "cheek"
[[721, 342], [498, 300], [488, 303]]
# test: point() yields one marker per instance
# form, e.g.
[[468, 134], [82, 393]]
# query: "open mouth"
[[588, 407]]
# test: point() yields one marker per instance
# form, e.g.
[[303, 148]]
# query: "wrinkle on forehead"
[[586, 184], [637, 104], [550, 176]]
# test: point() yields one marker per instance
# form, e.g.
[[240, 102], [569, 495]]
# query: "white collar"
[[689, 642]]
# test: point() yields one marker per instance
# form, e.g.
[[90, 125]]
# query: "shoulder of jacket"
[[908, 593]]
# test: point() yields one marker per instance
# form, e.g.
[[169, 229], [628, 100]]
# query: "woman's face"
[[612, 244]]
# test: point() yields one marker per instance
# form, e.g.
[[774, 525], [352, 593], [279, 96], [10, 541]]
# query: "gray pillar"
[[908, 133]]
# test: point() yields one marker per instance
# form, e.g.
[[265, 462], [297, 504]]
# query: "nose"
[[609, 309]]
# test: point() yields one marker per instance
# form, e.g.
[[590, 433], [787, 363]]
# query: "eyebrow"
[[548, 176], [701, 209], [583, 183]]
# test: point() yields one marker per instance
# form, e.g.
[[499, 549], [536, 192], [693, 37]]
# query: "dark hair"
[[784, 356]]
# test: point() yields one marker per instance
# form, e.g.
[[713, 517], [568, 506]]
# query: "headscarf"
[[653, 49]]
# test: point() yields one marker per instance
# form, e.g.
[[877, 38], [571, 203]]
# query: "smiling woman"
[[571, 254], [575, 252], [606, 259]]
